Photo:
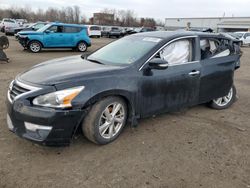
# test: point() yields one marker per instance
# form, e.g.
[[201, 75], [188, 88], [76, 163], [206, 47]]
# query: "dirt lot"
[[197, 147]]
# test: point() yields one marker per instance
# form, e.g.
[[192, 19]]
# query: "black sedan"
[[135, 77]]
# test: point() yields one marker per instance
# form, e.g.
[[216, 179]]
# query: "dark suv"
[[135, 77], [113, 32]]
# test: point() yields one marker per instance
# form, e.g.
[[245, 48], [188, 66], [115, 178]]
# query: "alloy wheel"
[[35, 47], [111, 120], [82, 47], [223, 101]]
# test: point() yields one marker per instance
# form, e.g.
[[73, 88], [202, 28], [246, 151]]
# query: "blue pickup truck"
[[56, 35]]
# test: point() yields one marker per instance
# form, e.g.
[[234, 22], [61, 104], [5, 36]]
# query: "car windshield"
[[124, 51], [44, 28], [138, 29]]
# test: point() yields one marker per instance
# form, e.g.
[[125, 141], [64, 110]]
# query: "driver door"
[[53, 36], [175, 87], [247, 38]]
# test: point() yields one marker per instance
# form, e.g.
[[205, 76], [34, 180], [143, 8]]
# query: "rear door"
[[71, 35], [178, 85], [217, 72]]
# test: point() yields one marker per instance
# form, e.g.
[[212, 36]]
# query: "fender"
[[129, 98]]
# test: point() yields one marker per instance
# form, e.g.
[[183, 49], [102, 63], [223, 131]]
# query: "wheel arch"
[[82, 41], [127, 96], [35, 40]]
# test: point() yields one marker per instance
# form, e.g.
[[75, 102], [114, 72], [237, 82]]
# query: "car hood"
[[29, 33], [19, 27], [64, 70]]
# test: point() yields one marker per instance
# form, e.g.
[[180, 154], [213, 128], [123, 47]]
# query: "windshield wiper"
[[95, 61]]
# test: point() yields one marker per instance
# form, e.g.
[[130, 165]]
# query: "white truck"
[[244, 37], [8, 23]]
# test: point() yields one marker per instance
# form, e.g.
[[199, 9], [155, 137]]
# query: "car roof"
[[176, 34], [65, 24]]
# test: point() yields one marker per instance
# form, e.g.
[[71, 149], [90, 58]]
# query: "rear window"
[[114, 28], [68, 29], [95, 28]]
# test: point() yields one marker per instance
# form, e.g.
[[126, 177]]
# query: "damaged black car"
[[135, 77]]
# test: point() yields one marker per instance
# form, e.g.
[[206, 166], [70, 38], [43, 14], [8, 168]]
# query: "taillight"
[[88, 31]]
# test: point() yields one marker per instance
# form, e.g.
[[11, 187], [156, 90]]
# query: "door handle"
[[193, 73]]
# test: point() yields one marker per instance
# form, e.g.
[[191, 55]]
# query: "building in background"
[[103, 19], [217, 24]]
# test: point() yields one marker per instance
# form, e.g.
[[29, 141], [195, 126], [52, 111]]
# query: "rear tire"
[[105, 120], [82, 46], [224, 102], [35, 46]]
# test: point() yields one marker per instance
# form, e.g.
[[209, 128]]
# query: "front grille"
[[17, 90]]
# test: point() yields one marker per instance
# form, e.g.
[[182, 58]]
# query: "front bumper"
[[23, 40], [9, 32], [63, 122], [114, 34]]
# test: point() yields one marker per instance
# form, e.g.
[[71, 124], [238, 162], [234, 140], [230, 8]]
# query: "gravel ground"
[[196, 147]]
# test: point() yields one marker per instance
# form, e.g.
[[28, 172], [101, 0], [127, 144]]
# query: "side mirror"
[[47, 31], [158, 63]]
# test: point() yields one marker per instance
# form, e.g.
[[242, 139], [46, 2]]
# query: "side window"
[[56, 29], [212, 48], [177, 52], [69, 29]]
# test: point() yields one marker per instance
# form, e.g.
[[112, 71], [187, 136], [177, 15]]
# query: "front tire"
[[82, 47], [224, 102], [105, 120], [35, 46]]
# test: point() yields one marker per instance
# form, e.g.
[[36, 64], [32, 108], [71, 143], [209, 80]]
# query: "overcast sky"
[[153, 8]]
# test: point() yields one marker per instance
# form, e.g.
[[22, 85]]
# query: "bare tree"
[[77, 13], [73, 14], [148, 22]]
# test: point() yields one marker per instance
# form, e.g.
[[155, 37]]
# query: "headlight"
[[23, 36], [11, 85], [58, 99]]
